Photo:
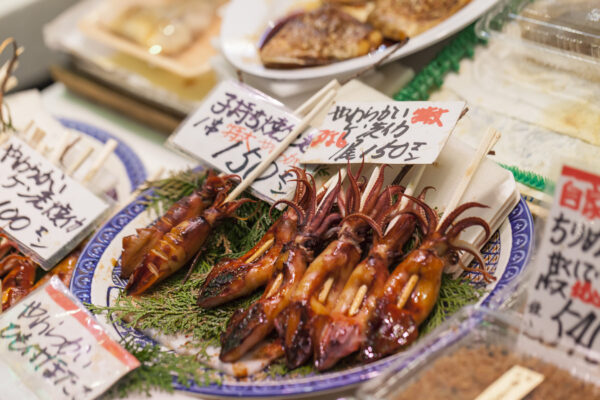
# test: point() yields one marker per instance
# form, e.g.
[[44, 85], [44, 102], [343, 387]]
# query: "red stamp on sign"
[[329, 137], [428, 116]]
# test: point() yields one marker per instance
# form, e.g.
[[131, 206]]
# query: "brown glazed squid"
[[231, 279], [411, 291], [332, 265], [248, 327], [340, 332], [181, 243], [136, 246]]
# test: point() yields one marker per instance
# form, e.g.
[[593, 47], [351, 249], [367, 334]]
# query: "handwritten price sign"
[[52, 348], [43, 209], [235, 128], [564, 299], [386, 132]]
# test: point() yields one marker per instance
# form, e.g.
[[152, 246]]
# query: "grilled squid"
[[412, 290], [136, 246], [180, 244], [341, 332], [248, 327], [331, 268], [231, 279]]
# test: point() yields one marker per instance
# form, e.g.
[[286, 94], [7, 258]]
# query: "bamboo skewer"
[[302, 125], [490, 138], [105, 152], [80, 159], [310, 103], [58, 150]]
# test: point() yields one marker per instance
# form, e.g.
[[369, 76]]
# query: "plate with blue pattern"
[[123, 171], [96, 280]]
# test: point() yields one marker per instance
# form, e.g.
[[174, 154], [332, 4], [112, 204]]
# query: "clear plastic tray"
[[497, 340], [565, 33]]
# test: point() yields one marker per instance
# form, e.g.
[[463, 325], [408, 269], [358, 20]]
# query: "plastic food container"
[[561, 33], [471, 351]]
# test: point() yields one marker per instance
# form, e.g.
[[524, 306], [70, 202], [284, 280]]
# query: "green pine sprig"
[[454, 295], [156, 371]]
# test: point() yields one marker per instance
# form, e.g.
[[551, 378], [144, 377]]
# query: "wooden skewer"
[[105, 152], [329, 282], [407, 290], [276, 284], [261, 251], [36, 138], [302, 125], [490, 138], [80, 159], [62, 143], [325, 291], [310, 103], [410, 189], [358, 298]]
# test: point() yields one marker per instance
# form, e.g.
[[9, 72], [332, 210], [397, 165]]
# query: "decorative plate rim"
[[134, 167], [521, 223]]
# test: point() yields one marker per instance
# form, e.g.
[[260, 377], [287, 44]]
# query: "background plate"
[[245, 21], [124, 163], [96, 281]]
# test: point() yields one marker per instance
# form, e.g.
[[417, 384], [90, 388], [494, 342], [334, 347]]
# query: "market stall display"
[[312, 237]]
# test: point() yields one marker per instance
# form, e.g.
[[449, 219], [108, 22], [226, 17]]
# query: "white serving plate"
[[245, 21]]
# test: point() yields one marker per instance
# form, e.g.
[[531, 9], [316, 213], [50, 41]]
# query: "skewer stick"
[[260, 251], [325, 291], [302, 125], [275, 286], [36, 138], [407, 290], [308, 104], [82, 157], [489, 140], [62, 143], [105, 152], [358, 298]]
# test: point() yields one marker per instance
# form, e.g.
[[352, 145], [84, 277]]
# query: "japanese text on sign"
[[40, 206], [53, 349], [386, 132], [564, 300], [235, 128]]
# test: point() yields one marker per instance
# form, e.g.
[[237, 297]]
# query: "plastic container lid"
[[549, 30]]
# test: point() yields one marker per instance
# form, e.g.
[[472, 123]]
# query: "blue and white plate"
[[96, 281], [123, 166]]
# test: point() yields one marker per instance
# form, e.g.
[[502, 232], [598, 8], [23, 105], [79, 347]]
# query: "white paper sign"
[[390, 132], [235, 128], [52, 348], [41, 208], [564, 297]]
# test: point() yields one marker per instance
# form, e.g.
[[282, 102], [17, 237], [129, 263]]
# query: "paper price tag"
[[235, 128], [514, 384], [564, 296], [385, 132], [41, 208], [52, 348]]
